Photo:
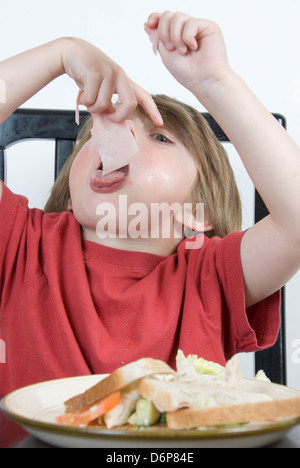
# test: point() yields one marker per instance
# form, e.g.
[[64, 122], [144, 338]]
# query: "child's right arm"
[[194, 51], [96, 75]]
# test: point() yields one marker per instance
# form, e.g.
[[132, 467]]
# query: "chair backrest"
[[60, 125]]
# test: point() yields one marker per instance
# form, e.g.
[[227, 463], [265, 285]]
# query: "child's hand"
[[192, 49], [99, 78]]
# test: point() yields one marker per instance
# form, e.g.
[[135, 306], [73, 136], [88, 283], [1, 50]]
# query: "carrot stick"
[[85, 417]]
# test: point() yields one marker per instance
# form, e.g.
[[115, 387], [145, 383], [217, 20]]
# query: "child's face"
[[163, 172]]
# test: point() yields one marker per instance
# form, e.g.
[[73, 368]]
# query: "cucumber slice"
[[146, 414]]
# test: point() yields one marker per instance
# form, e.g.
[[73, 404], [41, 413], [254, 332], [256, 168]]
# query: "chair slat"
[[2, 164], [63, 149]]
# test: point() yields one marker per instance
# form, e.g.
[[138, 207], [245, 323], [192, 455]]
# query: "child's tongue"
[[116, 148], [109, 182]]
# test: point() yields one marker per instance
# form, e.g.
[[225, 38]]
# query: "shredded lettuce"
[[201, 365]]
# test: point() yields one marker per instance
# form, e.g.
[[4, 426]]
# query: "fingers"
[[103, 97], [170, 31], [190, 33], [127, 99], [148, 104], [177, 31], [153, 20], [99, 78], [99, 90], [129, 94]]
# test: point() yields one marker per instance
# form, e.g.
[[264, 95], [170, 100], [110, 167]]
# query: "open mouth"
[[110, 182]]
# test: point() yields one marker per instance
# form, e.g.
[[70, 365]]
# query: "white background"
[[262, 36]]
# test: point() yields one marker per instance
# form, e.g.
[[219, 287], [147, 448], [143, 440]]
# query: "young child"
[[74, 303]]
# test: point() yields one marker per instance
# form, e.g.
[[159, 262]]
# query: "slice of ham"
[[113, 142]]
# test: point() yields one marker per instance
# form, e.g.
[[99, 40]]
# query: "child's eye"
[[161, 138]]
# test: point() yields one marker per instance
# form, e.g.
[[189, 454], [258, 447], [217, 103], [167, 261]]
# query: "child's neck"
[[162, 247]]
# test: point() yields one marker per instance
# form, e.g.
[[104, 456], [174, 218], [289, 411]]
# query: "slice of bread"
[[274, 410], [119, 379], [193, 404], [168, 396], [171, 396]]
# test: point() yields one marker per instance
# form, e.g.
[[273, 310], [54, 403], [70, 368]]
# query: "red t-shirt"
[[71, 307]]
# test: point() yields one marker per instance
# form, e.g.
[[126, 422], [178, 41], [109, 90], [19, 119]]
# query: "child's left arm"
[[194, 52]]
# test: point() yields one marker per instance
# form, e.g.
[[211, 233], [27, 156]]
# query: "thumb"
[[153, 36], [151, 28]]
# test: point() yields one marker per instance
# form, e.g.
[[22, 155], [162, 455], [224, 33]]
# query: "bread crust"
[[189, 418], [119, 379]]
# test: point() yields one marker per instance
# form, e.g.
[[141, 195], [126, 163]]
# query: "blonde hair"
[[214, 185]]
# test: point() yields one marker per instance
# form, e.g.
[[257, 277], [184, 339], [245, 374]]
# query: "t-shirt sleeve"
[[242, 329], [13, 219], [256, 327]]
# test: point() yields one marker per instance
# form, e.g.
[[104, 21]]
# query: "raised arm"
[[25, 74], [194, 52]]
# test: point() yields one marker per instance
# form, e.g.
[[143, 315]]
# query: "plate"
[[35, 408]]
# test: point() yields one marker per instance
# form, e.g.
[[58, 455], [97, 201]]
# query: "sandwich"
[[115, 397], [199, 393]]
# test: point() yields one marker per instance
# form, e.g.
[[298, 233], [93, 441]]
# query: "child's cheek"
[[160, 184], [82, 166], [82, 157]]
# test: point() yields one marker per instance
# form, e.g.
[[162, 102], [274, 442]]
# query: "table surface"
[[13, 436]]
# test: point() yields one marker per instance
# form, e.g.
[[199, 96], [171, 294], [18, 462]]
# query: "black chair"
[[58, 125], [61, 126]]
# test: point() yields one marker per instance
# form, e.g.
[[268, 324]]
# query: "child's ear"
[[193, 221]]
